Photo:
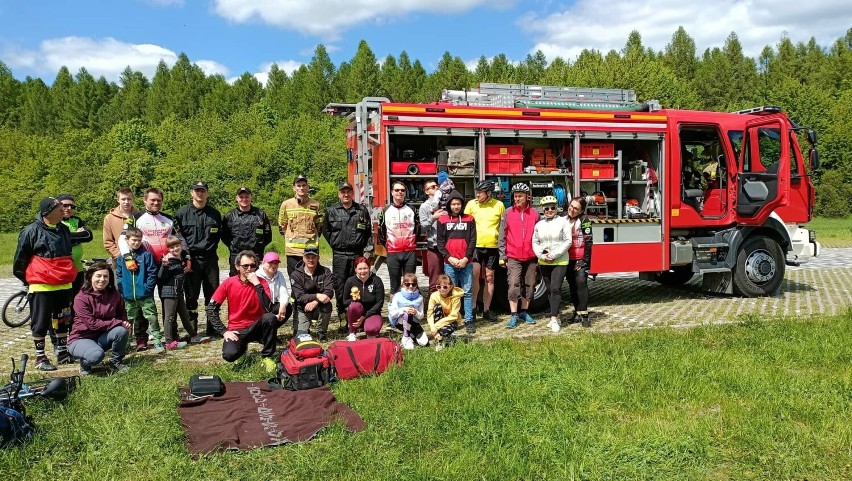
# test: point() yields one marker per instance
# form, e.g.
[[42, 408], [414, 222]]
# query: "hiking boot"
[[44, 364], [175, 345], [469, 327], [199, 339], [141, 346], [407, 343], [118, 367], [573, 318], [158, 347], [269, 365], [351, 337], [489, 316], [423, 339], [513, 322], [585, 321], [64, 358], [85, 369], [527, 318], [554, 324]]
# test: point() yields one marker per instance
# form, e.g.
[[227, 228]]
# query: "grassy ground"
[[94, 249], [833, 232], [762, 399]]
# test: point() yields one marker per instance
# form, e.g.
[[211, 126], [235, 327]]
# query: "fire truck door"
[[763, 178]]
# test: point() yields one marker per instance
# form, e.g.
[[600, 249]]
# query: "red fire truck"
[[673, 193]]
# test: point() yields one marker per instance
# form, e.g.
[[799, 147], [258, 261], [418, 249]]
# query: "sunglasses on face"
[[443, 288], [68, 206], [549, 208], [399, 190], [410, 284], [248, 266]]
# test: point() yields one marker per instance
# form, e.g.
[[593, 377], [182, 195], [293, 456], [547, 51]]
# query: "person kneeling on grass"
[[249, 312], [444, 314], [100, 321], [364, 294], [406, 309]]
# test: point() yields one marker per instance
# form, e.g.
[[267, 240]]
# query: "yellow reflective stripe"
[[48, 287]]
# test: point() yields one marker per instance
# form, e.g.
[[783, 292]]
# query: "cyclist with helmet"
[[580, 259], [487, 212], [516, 253], [551, 240]]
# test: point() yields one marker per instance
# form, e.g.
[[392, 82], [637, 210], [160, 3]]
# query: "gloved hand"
[[130, 263], [502, 263]]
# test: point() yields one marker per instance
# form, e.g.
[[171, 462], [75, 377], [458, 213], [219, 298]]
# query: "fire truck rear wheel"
[[501, 293], [677, 276], [760, 267]]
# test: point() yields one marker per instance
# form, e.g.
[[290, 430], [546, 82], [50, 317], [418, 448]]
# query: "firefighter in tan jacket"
[[300, 222]]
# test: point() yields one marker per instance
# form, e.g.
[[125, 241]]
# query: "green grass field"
[[762, 399], [833, 232]]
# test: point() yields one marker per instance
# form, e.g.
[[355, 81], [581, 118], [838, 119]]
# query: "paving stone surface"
[[618, 302]]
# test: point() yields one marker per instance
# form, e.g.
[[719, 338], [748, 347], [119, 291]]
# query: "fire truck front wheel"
[[760, 267]]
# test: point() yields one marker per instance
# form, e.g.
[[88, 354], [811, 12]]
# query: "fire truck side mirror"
[[813, 156], [812, 137]]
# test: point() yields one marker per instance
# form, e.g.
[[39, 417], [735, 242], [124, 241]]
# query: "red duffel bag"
[[365, 357]]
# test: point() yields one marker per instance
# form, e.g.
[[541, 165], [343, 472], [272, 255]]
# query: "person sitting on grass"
[[249, 313], [136, 273], [444, 313], [406, 310], [100, 321], [364, 294], [170, 276], [279, 286]]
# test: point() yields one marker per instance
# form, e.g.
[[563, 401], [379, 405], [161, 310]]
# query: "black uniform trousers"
[[203, 276]]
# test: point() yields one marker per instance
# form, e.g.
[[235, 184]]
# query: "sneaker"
[[423, 339], [469, 327], [175, 345], [351, 337], [407, 343], [269, 364], [489, 316], [322, 336], [439, 345], [585, 321], [573, 318], [158, 347], [528, 319], [554, 325], [199, 339], [141, 346], [85, 369], [44, 364], [513, 322], [118, 367]]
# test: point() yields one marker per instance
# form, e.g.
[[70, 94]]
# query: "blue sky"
[[231, 37]]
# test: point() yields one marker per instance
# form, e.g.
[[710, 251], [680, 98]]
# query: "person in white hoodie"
[[551, 240]]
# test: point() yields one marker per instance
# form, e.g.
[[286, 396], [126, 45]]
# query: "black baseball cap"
[[311, 251], [198, 185], [299, 178], [243, 190], [345, 185]]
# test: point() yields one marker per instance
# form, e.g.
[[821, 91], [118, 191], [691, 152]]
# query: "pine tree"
[[365, 74], [9, 97], [157, 104]]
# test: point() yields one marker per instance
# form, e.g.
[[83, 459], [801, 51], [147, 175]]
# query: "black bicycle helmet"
[[486, 185], [521, 187]]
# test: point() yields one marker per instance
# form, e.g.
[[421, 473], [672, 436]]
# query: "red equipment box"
[[504, 152], [596, 171], [504, 166], [596, 150], [409, 167]]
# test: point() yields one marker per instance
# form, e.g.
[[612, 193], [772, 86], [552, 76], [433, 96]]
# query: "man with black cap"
[[245, 228], [300, 222], [200, 224], [313, 289], [80, 234], [347, 229], [43, 262]]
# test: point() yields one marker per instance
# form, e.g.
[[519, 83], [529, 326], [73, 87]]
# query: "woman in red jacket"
[[516, 253], [100, 321]]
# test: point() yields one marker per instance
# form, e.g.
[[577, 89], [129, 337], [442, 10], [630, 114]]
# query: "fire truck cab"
[[671, 193]]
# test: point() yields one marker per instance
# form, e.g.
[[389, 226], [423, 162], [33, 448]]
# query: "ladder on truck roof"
[[549, 97]]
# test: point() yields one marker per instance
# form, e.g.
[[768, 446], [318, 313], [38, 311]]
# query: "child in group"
[[406, 308], [136, 274], [444, 314], [171, 275]]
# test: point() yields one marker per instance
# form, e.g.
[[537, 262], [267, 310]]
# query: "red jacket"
[[456, 233], [516, 232], [96, 312]]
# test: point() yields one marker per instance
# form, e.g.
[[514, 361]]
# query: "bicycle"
[[16, 309]]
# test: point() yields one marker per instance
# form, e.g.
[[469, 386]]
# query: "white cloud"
[[605, 24], [262, 75], [328, 18], [107, 57]]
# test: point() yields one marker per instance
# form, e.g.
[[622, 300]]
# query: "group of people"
[[103, 305]]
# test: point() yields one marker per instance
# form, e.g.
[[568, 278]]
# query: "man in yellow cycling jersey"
[[487, 212]]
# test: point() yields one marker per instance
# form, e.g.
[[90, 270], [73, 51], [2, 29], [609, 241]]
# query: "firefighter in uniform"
[[300, 222], [245, 227], [200, 225], [347, 229]]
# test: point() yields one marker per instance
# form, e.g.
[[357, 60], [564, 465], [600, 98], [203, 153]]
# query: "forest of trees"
[[88, 136]]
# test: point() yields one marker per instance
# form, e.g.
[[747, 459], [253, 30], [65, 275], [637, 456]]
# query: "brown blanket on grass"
[[249, 415]]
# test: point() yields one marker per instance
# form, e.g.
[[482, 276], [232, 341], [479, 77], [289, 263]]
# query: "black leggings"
[[400, 263], [578, 282], [553, 276]]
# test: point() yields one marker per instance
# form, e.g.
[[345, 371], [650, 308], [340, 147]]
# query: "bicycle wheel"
[[16, 310]]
